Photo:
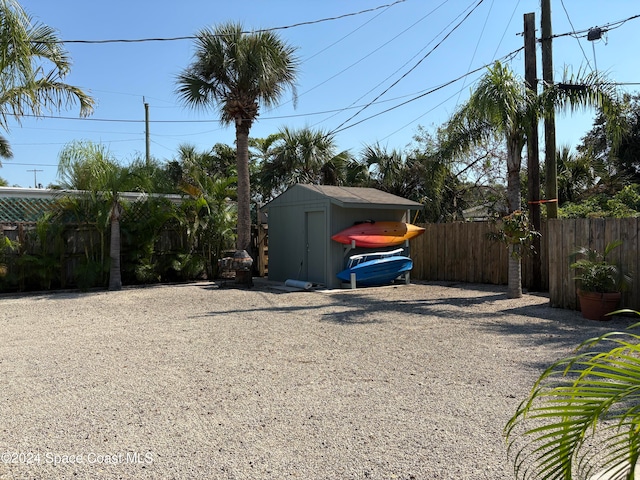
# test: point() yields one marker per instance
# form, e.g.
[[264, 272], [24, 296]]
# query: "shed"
[[303, 219]]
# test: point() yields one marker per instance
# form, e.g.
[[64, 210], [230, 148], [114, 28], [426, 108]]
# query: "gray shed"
[[303, 219]]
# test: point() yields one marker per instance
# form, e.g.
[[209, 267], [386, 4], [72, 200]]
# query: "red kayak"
[[378, 234]]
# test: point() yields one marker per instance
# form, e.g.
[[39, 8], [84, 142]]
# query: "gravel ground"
[[201, 382]]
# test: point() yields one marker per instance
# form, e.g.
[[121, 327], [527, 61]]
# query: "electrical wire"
[[392, 74], [506, 28], [433, 90], [193, 37], [324, 112], [475, 51], [578, 40], [353, 64], [605, 28], [344, 37], [338, 128]]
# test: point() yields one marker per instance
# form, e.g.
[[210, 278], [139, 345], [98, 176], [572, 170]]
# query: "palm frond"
[[593, 396]]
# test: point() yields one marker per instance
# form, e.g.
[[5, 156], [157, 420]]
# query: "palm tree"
[[238, 72], [33, 64], [304, 156], [582, 415], [502, 106], [576, 174], [263, 178], [411, 176], [88, 166]]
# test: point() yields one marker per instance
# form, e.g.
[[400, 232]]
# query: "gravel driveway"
[[201, 382]]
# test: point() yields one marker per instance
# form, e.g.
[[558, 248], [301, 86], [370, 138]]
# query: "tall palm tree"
[[502, 106], [238, 72], [88, 166], [33, 64], [303, 156]]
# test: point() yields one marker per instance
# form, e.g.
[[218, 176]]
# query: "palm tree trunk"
[[514, 160], [115, 278], [514, 272], [243, 241]]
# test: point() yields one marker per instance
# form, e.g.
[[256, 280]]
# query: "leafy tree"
[[502, 106], [448, 185], [237, 72], [151, 177], [302, 156], [262, 179], [625, 203], [90, 167], [576, 175], [33, 65], [3, 182], [191, 163], [623, 162]]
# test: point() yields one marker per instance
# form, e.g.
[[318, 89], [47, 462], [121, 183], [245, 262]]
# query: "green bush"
[[624, 204]]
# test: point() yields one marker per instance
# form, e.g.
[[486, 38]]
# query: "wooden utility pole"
[[533, 153], [551, 168], [35, 176], [146, 134]]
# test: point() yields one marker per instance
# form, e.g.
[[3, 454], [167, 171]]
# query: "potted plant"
[[600, 282]]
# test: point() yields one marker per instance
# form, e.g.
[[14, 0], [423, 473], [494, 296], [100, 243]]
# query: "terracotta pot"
[[595, 306]]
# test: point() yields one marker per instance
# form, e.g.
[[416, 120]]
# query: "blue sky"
[[346, 63]]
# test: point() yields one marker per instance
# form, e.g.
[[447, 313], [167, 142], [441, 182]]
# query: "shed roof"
[[350, 197]]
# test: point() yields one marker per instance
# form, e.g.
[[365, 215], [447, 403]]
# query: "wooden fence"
[[566, 235], [57, 264], [462, 252]]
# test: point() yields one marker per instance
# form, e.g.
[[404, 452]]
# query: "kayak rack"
[[348, 248]]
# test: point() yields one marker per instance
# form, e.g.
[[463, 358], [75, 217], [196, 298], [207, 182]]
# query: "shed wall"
[[289, 232], [288, 240]]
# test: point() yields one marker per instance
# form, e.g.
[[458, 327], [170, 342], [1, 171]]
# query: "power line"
[[343, 37], [371, 53], [515, 8], [571, 23], [409, 71], [604, 28], [429, 92], [475, 51], [281, 117], [193, 37], [18, 164]]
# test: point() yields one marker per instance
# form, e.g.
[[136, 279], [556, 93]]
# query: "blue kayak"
[[378, 271]]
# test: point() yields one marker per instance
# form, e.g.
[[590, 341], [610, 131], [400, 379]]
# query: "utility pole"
[[551, 168], [146, 133], [35, 176], [533, 153]]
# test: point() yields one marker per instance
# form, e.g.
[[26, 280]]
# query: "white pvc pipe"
[[298, 284]]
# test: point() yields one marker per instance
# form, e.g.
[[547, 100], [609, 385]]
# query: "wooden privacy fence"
[[566, 235], [462, 252]]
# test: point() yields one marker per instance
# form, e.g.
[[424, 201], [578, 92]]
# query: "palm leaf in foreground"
[[583, 415]]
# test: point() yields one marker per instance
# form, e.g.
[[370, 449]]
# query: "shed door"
[[316, 241]]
